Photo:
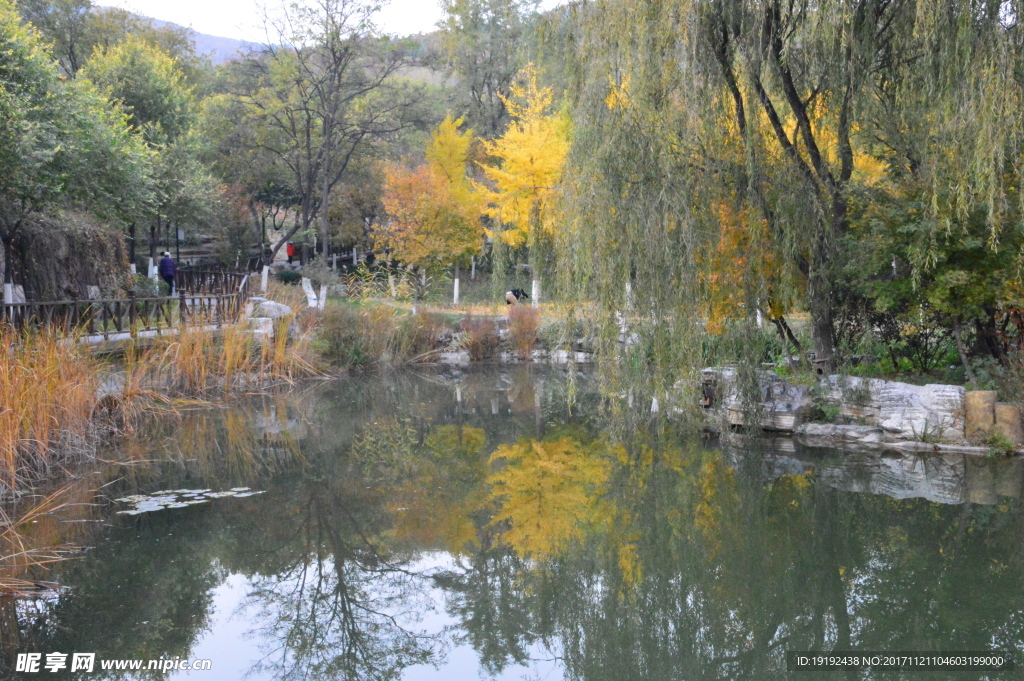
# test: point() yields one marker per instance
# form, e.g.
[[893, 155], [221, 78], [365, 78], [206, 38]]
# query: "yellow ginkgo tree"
[[433, 208], [527, 168]]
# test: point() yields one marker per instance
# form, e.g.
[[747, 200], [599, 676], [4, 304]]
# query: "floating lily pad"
[[167, 499]]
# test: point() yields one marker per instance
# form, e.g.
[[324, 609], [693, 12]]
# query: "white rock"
[[261, 307], [913, 412]]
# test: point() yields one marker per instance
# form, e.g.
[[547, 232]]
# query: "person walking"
[[167, 270], [290, 250]]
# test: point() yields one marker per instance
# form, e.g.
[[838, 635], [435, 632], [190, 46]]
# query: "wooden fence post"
[[131, 313]]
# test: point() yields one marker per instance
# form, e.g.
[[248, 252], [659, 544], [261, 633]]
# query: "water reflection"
[[412, 520]]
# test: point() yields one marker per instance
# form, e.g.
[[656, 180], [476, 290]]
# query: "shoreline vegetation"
[[68, 416]]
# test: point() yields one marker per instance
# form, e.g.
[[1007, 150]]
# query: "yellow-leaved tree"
[[530, 157], [434, 211]]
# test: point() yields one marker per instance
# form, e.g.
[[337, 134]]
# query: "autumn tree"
[[527, 168], [433, 208]]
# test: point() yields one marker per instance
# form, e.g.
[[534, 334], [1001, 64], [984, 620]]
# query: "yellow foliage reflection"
[[548, 493]]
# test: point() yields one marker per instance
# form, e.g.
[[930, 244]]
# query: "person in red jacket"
[[291, 252]]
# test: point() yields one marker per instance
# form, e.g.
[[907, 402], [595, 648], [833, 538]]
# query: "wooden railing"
[[210, 280], [126, 315]]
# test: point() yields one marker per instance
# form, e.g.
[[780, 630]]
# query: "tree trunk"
[[8, 242], [154, 231], [324, 224], [968, 371], [821, 315]]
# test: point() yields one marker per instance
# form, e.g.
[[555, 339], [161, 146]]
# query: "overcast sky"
[[241, 18]]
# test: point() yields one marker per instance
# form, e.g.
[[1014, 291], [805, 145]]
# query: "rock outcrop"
[[909, 412], [776, 404], [874, 410]]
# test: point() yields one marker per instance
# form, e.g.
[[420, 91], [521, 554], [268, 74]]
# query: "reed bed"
[[34, 535], [200, 361], [355, 336], [58, 401], [48, 393]]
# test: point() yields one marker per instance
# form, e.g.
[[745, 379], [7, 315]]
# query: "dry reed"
[[523, 325], [48, 393]]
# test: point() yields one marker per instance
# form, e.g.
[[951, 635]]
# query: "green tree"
[[65, 23], [148, 84], [325, 91], [483, 40], [58, 141]]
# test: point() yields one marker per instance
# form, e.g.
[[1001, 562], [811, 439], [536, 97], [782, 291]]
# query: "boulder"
[[901, 411], [831, 433], [1008, 422], [911, 412], [261, 307], [779, 405], [980, 412]]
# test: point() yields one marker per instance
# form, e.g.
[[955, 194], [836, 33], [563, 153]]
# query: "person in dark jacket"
[[514, 296], [167, 270]]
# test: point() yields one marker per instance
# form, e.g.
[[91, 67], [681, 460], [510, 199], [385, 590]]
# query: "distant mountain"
[[217, 48]]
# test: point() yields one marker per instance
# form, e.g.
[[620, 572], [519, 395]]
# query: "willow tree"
[[768, 105]]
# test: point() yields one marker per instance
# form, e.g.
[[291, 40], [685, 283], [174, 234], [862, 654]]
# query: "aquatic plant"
[[48, 393]]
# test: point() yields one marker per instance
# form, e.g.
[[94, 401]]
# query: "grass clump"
[[48, 393], [355, 336], [523, 325], [480, 337]]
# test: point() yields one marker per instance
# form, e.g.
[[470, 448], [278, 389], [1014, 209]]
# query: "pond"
[[509, 523]]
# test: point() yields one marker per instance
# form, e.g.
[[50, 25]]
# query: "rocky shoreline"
[[864, 413]]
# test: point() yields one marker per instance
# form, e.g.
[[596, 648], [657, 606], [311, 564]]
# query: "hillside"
[[218, 48]]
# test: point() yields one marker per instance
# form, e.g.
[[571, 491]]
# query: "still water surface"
[[440, 525]]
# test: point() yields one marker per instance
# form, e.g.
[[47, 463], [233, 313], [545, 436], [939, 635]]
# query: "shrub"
[[320, 274], [378, 335], [480, 337], [142, 286], [287, 276], [523, 323]]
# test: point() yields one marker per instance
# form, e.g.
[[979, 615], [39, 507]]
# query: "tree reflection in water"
[[343, 608], [624, 552]]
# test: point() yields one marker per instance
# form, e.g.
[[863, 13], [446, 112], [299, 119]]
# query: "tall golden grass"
[[48, 393], [200, 360], [58, 400]]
